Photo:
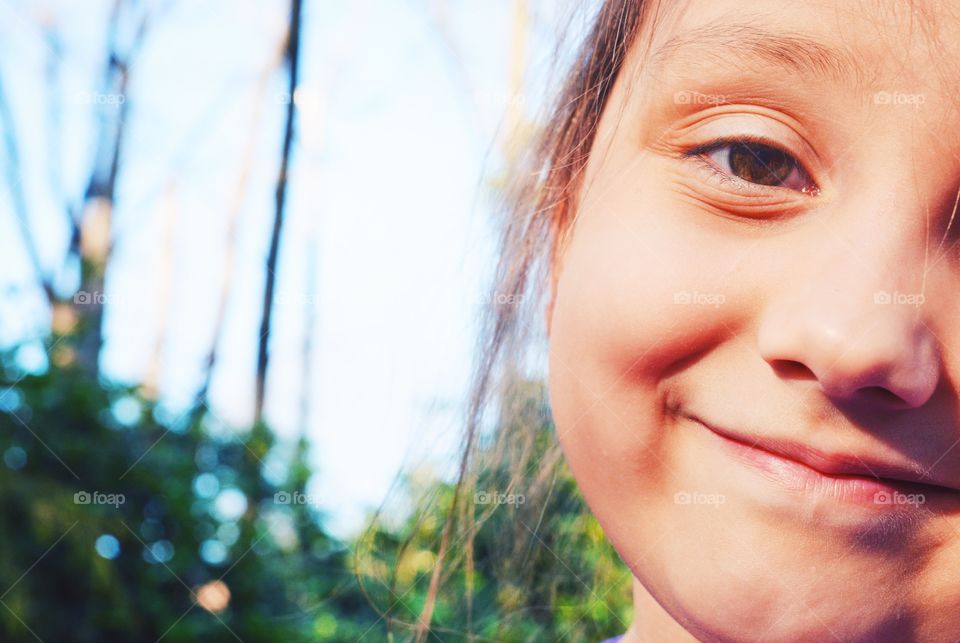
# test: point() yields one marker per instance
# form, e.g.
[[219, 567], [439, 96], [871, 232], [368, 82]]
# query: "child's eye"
[[755, 163]]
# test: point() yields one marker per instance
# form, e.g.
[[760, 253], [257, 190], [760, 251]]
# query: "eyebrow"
[[749, 43]]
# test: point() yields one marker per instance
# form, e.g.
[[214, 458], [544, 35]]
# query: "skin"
[[788, 340]]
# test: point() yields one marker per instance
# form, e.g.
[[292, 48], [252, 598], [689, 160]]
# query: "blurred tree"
[[121, 523], [118, 527]]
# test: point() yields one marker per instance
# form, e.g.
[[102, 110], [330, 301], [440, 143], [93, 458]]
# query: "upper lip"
[[837, 464]]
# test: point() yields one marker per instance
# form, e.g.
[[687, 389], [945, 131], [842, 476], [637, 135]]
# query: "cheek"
[[646, 281], [646, 288], [643, 289]]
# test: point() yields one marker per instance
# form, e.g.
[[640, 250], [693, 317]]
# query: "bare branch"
[[233, 214], [95, 227], [292, 58]]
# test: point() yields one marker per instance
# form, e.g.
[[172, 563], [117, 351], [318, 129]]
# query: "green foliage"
[[83, 464], [113, 521], [542, 569]]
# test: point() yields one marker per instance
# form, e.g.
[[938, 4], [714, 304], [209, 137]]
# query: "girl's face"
[[755, 328]]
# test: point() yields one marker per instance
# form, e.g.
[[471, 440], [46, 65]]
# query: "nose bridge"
[[852, 309], [860, 263], [879, 259]]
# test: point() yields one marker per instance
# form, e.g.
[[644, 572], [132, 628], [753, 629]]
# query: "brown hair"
[[540, 210]]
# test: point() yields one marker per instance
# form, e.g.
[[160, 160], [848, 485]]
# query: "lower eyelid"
[[739, 205], [739, 199]]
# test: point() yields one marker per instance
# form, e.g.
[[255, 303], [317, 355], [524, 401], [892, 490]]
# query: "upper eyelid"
[[725, 141]]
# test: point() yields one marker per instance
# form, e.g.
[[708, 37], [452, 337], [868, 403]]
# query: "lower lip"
[[803, 480]]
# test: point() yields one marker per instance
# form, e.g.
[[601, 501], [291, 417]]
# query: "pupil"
[[760, 164]]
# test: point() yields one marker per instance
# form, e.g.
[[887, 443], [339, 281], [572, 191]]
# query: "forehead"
[[867, 45]]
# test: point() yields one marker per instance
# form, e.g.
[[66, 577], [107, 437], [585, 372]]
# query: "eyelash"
[[698, 154]]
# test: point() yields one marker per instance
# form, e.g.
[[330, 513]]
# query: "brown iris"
[[760, 164]]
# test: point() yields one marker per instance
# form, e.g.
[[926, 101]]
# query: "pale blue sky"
[[400, 105]]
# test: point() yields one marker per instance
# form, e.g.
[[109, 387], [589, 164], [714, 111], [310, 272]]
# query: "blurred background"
[[245, 244]]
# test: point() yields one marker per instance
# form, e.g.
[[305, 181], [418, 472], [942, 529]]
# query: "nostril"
[[792, 370]]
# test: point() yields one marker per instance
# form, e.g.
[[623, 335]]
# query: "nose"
[[859, 341]]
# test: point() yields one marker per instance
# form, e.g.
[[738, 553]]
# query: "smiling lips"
[[844, 478]]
